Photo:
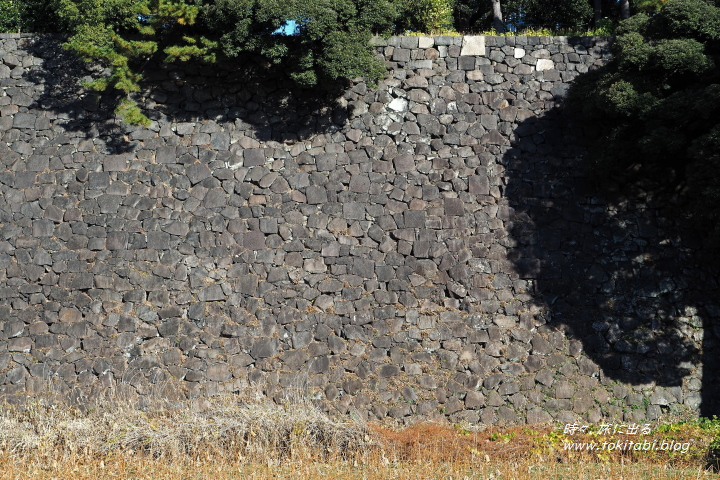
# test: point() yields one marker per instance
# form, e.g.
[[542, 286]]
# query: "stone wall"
[[427, 247]]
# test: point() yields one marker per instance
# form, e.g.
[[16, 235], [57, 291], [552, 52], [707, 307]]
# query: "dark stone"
[[211, 294], [454, 207], [116, 241], [254, 240], [264, 348], [17, 375], [197, 172], [166, 155], [389, 371], [253, 157]]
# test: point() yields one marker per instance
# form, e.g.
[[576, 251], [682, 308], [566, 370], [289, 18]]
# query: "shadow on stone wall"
[[610, 268], [251, 92]]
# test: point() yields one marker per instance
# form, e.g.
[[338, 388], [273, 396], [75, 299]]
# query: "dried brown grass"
[[256, 440], [226, 431]]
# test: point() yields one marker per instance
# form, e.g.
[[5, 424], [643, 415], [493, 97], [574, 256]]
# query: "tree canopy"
[[330, 42], [657, 104], [477, 15]]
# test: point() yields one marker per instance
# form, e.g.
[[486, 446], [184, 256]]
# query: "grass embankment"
[[263, 441]]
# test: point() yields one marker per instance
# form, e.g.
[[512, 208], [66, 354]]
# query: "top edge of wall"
[[387, 41], [13, 36], [8, 36], [396, 40], [474, 45]]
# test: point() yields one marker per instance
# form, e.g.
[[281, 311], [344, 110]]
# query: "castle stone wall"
[[427, 247]]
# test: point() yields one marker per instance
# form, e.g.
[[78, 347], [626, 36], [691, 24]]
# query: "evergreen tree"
[[331, 42], [657, 104]]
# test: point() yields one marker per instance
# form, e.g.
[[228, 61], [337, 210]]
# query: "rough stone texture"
[[429, 247], [473, 46]]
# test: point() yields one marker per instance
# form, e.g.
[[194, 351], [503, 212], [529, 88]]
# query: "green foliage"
[[714, 453], [129, 111], [25, 16], [431, 17], [688, 19], [649, 7], [10, 16], [331, 42], [523, 14], [657, 104], [551, 14]]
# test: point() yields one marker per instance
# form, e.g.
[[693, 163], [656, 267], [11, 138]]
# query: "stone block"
[[211, 294], [472, 46], [115, 163], [218, 373], [264, 348], [316, 195], [354, 211], [20, 344], [43, 228], [24, 120], [425, 42], [454, 207], [544, 64], [38, 163], [388, 370], [401, 55], [197, 172], [466, 63], [17, 375], [253, 157], [404, 163], [166, 155], [254, 240]]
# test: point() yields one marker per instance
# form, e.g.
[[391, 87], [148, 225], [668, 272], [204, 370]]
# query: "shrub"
[[11, 18], [431, 17], [657, 104]]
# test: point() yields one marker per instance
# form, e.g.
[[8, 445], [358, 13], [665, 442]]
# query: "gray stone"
[[354, 211], [264, 347], [166, 155], [43, 228], [404, 163], [253, 157], [197, 172], [254, 240], [220, 141], [389, 371], [20, 344], [17, 375], [211, 294], [474, 400], [316, 195], [454, 207], [24, 120], [115, 163], [218, 373]]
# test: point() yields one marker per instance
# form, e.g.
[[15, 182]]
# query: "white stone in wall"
[[544, 64], [426, 42], [519, 53], [475, 75], [399, 105], [473, 46]]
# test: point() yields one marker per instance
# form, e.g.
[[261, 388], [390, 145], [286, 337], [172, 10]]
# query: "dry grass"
[[261, 441], [227, 431], [144, 468]]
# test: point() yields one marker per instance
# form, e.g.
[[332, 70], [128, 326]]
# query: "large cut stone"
[[473, 46]]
